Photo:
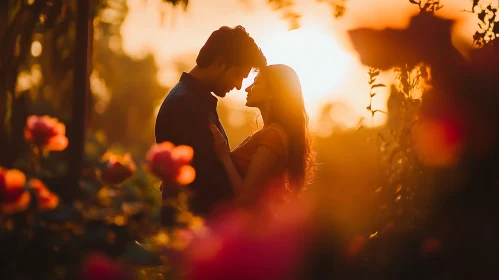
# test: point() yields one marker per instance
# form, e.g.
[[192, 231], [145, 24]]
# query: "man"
[[223, 62]]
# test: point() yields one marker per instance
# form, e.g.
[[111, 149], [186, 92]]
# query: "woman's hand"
[[220, 144]]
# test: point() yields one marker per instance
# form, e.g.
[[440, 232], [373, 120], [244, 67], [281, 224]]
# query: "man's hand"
[[220, 144]]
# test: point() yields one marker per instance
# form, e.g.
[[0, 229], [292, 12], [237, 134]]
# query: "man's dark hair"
[[234, 46]]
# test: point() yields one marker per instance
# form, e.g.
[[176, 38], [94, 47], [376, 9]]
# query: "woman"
[[278, 157]]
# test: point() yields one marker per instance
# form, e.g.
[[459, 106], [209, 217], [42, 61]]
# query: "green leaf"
[[392, 155], [377, 85], [374, 73], [140, 255], [495, 29], [477, 36], [481, 15], [475, 3], [379, 111], [492, 18], [380, 136]]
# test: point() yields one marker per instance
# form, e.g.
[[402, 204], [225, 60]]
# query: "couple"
[[276, 158]]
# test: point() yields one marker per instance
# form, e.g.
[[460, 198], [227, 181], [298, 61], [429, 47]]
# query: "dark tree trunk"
[[76, 130]]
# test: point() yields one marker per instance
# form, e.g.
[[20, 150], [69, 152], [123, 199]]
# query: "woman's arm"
[[235, 179], [223, 152], [259, 170]]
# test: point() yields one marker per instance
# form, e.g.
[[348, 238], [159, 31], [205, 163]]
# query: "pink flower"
[[355, 247], [98, 266], [46, 133], [46, 199], [251, 244], [170, 163], [118, 168], [13, 196], [439, 141]]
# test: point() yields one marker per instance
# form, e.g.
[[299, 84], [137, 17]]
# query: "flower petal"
[[48, 201], [14, 179], [60, 128], [17, 206], [186, 175], [30, 122], [182, 154], [57, 143]]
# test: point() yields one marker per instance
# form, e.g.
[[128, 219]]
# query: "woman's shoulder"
[[277, 129], [275, 137]]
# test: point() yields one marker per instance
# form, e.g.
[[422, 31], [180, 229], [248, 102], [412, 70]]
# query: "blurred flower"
[[132, 208], [439, 142], [13, 196], [104, 195], [170, 163], [181, 238], [355, 247], [162, 238], [246, 244], [118, 168], [98, 266], [46, 199], [431, 247], [46, 133]]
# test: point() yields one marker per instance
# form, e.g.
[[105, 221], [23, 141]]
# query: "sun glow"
[[315, 56]]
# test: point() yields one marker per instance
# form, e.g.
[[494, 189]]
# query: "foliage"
[[438, 152], [290, 14], [439, 105], [488, 29], [116, 213]]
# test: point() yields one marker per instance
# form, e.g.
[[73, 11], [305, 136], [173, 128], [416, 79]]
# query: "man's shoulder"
[[179, 93]]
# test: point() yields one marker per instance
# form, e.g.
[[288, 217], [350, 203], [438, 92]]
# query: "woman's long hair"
[[287, 109]]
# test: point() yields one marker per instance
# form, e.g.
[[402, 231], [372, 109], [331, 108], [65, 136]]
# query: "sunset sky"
[[319, 51]]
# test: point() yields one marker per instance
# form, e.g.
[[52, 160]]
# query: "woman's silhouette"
[[279, 156]]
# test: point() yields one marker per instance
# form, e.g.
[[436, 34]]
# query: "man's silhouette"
[[184, 117]]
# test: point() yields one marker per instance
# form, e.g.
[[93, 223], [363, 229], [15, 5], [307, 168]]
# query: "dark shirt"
[[184, 118]]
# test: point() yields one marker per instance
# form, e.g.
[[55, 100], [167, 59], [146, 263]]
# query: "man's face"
[[230, 78]]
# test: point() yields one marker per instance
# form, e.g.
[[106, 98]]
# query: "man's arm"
[[182, 123]]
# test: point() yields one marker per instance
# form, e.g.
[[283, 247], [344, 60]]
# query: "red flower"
[[46, 132], [13, 196], [251, 244], [355, 247], [170, 163], [439, 141], [46, 199], [118, 168], [99, 266]]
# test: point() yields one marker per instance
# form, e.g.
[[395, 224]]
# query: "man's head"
[[227, 57]]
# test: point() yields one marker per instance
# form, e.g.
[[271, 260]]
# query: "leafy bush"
[[117, 215]]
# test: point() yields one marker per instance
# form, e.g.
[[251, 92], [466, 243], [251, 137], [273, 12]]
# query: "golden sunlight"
[[316, 57], [313, 54]]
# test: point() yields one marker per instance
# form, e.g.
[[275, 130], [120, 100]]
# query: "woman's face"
[[257, 92]]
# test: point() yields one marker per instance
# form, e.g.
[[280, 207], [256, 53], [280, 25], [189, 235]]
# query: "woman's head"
[[277, 93], [275, 84]]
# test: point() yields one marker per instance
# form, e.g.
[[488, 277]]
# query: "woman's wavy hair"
[[287, 109]]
